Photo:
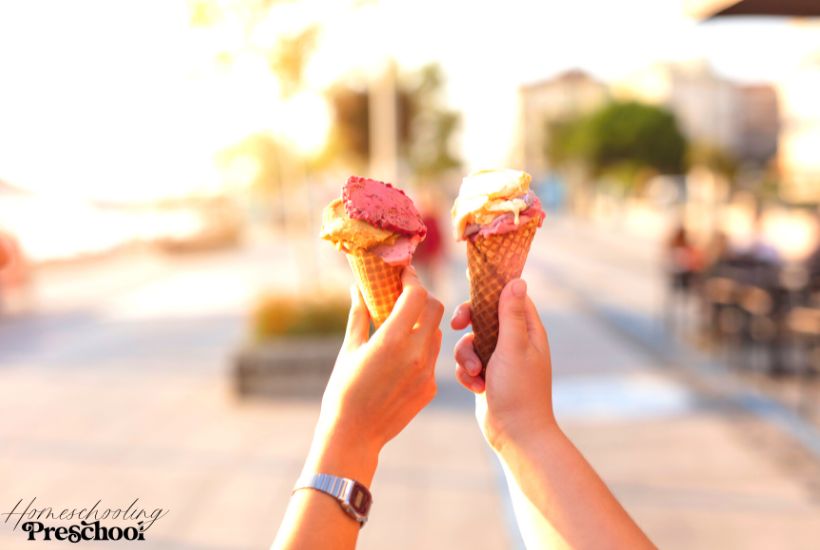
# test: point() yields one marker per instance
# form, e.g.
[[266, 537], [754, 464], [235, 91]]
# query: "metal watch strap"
[[353, 497]]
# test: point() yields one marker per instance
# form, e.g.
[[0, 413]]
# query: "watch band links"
[[353, 497]]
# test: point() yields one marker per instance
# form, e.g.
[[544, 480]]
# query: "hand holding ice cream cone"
[[497, 214]]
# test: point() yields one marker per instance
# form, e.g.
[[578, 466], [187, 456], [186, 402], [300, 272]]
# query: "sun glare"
[[131, 103]]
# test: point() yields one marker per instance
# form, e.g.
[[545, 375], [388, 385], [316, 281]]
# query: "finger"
[[430, 318], [535, 328], [475, 384], [432, 347], [358, 321], [465, 355], [512, 316], [410, 304], [461, 318]]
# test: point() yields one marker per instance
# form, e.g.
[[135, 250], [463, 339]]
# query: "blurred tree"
[[425, 127], [289, 57], [428, 147], [625, 140], [287, 54], [715, 158], [350, 137]]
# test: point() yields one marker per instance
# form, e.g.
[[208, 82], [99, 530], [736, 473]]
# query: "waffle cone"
[[379, 283], [493, 261]]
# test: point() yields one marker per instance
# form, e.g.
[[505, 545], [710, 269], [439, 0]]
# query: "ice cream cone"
[[379, 283], [493, 261], [378, 228]]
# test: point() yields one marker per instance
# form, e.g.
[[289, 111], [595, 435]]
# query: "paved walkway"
[[128, 397], [693, 468]]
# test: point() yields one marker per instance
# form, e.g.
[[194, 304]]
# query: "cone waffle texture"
[[379, 283], [493, 261]]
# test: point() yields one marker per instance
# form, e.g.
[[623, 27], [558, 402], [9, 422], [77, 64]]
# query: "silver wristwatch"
[[353, 497]]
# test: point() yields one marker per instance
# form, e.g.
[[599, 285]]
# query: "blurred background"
[[168, 314]]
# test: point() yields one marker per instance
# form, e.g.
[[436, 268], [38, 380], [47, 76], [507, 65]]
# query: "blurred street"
[[171, 302], [694, 468]]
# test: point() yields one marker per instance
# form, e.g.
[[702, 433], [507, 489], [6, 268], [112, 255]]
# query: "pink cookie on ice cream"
[[382, 205]]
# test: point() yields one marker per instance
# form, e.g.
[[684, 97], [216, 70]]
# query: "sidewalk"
[[695, 470], [85, 420], [130, 397]]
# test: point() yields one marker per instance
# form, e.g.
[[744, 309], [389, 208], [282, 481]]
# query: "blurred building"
[[799, 139], [759, 120], [799, 157], [564, 96], [740, 119]]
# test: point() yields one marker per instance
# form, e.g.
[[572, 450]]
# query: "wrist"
[[341, 451], [528, 440]]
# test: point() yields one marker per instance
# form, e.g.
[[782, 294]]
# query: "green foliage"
[[425, 127], [714, 158], [350, 136], [621, 139], [289, 58], [280, 316], [427, 147]]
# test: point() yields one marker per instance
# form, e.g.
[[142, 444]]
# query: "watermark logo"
[[96, 522]]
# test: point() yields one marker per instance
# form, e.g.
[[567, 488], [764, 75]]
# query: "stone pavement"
[[694, 469], [129, 397]]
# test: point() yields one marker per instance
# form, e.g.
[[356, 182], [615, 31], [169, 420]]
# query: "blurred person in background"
[[14, 269], [430, 254], [4, 255], [717, 252], [760, 250], [377, 387], [682, 261], [811, 265]]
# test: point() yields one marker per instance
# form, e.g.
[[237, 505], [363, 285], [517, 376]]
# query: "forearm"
[[535, 530], [565, 503], [314, 519]]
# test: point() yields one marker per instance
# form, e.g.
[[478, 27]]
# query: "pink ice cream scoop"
[[505, 223], [382, 205], [398, 253]]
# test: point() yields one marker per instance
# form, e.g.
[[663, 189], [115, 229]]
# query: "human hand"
[[514, 400], [379, 385]]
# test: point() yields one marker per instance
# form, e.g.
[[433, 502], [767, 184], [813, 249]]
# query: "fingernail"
[[472, 366], [519, 288], [455, 314]]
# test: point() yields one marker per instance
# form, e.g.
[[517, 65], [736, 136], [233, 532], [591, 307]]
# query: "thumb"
[[358, 321], [512, 316]]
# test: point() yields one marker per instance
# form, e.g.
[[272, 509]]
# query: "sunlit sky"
[[121, 99]]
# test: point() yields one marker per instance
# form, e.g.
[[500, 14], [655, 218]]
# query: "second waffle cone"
[[493, 261]]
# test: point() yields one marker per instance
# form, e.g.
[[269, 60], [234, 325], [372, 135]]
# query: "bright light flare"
[[794, 234], [304, 122]]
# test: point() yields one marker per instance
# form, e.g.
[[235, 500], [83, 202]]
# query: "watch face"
[[360, 500]]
